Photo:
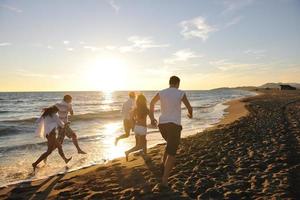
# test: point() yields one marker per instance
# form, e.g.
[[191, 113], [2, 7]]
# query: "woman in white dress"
[[48, 123]]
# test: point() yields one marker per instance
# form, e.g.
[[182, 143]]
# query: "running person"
[[48, 123], [65, 107], [140, 114], [170, 121], [128, 122]]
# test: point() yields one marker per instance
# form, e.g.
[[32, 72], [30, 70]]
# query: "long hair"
[[49, 111], [141, 106]]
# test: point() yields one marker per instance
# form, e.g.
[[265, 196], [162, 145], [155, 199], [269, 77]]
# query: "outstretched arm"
[[152, 105], [188, 106], [71, 110]]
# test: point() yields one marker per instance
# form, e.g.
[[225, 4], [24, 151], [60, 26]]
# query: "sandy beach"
[[253, 153]]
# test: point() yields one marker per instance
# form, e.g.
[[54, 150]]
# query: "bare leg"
[[75, 142], [169, 164], [121, 137], [61, 152], [164, 158], [135, 148], [60, 138], [51, 147], [127, 126], [144, 144]]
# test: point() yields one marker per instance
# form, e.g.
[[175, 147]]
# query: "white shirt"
[[170, 105], [127, 108], [47, 124], [64, 109]]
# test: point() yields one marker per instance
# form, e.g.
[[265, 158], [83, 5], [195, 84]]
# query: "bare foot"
[[81, 152], [67, 160], [126, 154]]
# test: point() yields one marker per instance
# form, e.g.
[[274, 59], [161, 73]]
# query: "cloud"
[[70, 49], [113, 4], [158, 71], [11, 8], [225, 65], [196, 27], [49, 47], [182, 55], [234, 21], [139, 44], [234, 5], [5, 44], [25, 73], [257, 53], [66, 42], [110, 47], [92, 48]]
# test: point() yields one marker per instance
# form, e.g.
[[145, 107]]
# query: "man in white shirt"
[[128, 122], [65, 107], [170, 121]]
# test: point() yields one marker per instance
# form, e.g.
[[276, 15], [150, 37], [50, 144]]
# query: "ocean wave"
[[27, 120], [100, 115], [4, 131], [4, 111], [79, 117]]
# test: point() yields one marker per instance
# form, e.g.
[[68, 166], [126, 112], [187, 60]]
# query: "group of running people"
[[135, 112]]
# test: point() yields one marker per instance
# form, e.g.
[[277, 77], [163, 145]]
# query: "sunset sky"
[[137, 44]]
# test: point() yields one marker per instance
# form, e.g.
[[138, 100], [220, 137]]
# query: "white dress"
[[47, 124]]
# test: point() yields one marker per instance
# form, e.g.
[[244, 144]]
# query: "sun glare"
[[112, 151], [107, 74]]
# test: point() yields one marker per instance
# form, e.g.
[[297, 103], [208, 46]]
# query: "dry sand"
[[252, 153]]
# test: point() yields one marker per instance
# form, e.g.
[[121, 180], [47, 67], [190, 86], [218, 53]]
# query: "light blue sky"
[[70, 45]]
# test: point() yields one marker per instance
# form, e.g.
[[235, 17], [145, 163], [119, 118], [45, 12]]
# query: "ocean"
[[97, 121]]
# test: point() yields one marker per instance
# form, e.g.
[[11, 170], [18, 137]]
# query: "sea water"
[[97, 121]]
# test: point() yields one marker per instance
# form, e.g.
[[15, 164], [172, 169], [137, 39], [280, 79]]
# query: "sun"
[[106, 73]]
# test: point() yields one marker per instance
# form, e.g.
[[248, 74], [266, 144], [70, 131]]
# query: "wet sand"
[[253, 153]]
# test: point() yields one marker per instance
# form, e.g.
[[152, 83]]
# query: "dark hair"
[[67, 97], [49, 111], [174, 80], [141, 106]]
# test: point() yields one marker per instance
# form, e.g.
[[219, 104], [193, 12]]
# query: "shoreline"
[[254, 156], [235, 110]]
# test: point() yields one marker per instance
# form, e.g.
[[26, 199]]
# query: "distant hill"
[[277, 85]]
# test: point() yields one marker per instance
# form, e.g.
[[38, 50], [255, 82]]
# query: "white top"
[[47, 124], [64, 109], [127, 108], [170, 105]]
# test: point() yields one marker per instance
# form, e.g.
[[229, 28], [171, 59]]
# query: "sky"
[[76, 45]]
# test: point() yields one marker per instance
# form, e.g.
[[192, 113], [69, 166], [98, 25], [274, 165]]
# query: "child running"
[[140, 114], [48, 123]]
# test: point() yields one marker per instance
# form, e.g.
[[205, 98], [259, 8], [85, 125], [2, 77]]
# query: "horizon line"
[[104, 91]]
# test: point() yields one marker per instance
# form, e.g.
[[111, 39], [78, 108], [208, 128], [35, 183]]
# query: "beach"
[[97, 121], [253, 153]]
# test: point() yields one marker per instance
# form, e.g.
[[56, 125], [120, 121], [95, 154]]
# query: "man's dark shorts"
[[66, 131], [171, 133]]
